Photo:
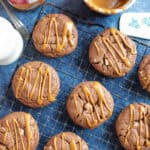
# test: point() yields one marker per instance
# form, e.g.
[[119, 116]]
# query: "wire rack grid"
[[73, 69]]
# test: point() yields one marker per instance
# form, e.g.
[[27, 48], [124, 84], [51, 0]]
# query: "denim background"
[[73, 69]]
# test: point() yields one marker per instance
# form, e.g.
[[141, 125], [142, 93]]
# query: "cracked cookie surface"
[[133, 127], [112, 53], [36, 84], [90, 104], [55, 35], [18, 131], [144, 73], [66, 141]]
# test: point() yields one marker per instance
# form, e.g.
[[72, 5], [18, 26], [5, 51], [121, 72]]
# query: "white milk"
[[11, 43]]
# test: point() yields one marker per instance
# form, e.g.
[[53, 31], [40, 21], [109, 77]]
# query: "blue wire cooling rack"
[[72, 70]]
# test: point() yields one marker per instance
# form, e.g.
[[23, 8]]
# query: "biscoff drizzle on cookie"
[[111, 48], [73, 145], [17, 132], [67, 34], [40, 78], [28, 130], [97, 87], [131, 121], [146, 82], [146, 79]]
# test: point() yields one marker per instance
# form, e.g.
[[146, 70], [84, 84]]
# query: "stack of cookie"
[[36, 84]]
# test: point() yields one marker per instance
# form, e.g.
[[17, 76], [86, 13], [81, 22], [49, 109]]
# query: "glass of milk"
[[11, 43]]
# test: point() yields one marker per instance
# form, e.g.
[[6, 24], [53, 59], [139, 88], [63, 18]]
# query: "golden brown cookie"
[[144, 73], [36, 84], [66, 141], [18, 131], [112, 53], [133, 127], [90, 104], [55, 35]]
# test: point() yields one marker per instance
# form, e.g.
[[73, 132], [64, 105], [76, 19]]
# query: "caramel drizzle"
[[75, 97], [80, 143], [146, 131], [111, 48], [117, 70], [16, 129], [72, 144], [19, 81], [147, 82], [141, 114], [39, 76], [5, 135], [28, 130], [55, 143], [67, 32], [97, 87], [90, 100], [130, 122], [17, 133], [133, 51], [138, 138], [62, 137]]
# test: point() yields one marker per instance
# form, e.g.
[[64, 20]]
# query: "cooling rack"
[[73, 69]]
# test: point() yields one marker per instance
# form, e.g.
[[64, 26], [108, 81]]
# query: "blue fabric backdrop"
[[72, 70]]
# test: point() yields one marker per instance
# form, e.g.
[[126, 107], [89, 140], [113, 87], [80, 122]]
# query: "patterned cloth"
[[73, 69]]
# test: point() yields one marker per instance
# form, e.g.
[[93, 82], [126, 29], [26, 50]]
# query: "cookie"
[[55, 35], [144, 73], [90, 104], [36, 84], [112, 53], [133, 127], [66, 141], [18, 131]]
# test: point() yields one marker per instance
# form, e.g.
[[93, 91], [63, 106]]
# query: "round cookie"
[[90, 104], [66, 141], [144, 73], [133, 127], [36, 84], [55, 35], [112, 53], [18, 131]]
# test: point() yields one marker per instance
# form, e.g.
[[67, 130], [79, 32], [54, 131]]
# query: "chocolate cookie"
[[55, 35], [90, 104], [144, 73], [18, 131], [36, 84], [66, 141], [112, 53], [133, 127]]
